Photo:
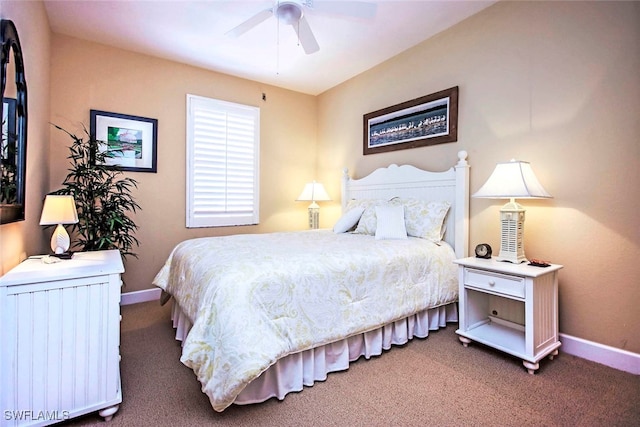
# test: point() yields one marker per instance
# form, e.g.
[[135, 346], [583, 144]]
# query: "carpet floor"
[[432, 381]]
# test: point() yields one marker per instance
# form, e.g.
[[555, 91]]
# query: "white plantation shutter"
[[223, 141]]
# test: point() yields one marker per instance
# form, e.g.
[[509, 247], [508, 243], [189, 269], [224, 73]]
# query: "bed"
[[263, 315]]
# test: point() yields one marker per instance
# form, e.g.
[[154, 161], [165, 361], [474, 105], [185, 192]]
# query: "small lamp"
[[314, 192], [511, 180], [59, 210]]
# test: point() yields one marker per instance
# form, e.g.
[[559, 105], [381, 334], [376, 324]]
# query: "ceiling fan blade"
[[355, 9], [306, 37], [250, 23]]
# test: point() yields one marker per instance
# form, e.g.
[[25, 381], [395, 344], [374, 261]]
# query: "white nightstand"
[[510, 307], [60, 335]]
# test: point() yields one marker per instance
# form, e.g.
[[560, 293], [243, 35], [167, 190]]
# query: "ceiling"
[[193, 32]]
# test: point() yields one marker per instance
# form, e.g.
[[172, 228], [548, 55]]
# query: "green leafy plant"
[[103, 198], [8, 185]]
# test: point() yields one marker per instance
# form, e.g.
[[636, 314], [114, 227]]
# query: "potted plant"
[[103, 198], [8, 185]]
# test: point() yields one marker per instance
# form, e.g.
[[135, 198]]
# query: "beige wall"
[[19, 239], [88, 76], [553, 83]]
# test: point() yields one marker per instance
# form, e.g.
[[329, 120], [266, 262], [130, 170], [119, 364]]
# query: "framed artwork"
[[131, 140], [428, 120]]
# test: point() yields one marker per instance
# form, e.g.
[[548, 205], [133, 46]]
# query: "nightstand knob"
[[492, 283]]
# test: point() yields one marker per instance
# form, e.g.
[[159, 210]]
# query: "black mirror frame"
[[10, 41]]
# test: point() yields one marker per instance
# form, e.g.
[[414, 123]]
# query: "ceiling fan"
[[292, 12]]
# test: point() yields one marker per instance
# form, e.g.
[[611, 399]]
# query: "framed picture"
[[132, 140], [428, 120]]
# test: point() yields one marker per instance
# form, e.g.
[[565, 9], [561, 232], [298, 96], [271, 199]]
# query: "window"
[[223, 142]]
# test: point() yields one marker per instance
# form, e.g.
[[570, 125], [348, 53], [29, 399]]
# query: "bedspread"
[[255, 298]]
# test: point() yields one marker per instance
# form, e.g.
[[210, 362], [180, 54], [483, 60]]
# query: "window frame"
[[221, 219]]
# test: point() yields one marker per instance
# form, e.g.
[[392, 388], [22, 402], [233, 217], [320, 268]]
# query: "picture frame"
[[428, 120], [133, 140]]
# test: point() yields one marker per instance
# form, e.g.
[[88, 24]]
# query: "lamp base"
[[65, 255], [512, 233], [511, 259], [60, 240], [314, 216]]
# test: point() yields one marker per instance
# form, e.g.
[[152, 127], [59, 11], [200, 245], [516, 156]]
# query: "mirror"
[[13, 147]]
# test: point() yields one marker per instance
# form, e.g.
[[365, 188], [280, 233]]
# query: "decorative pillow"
[[423, 218], [364, 203], [390, 222], [348, 220], [367, 223]]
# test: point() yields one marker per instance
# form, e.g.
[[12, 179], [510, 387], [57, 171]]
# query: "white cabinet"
[[510, 307], [60, 335]]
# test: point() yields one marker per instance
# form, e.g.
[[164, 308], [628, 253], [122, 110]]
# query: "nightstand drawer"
[[494, 282]]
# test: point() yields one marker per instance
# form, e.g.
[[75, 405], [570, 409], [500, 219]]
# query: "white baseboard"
[[600, 353], [140, 296]]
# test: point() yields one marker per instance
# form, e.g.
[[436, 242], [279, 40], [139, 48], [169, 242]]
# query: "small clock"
[[483, 250]]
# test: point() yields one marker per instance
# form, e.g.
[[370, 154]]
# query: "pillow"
[[348, 220], [367, 223], [353, 203], [424, 218], [390, 223]]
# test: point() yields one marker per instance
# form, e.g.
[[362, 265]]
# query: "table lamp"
[[59, 210], [313, 192], [511, 180]]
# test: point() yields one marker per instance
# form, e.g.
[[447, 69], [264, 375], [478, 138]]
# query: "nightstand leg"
[[531, 367], [552, 354], [107, 413], [465, 341]]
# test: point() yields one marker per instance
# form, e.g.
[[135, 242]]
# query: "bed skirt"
[[293, 372]]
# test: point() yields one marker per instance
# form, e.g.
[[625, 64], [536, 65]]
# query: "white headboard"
[[408, 181]]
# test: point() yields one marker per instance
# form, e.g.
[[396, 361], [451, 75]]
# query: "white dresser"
[[60, 339]]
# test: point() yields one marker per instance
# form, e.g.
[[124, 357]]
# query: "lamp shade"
[[514, 179], [314, 192], [59, 210]]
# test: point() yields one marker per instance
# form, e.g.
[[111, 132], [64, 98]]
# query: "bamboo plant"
[[103, 197], [8, 186]]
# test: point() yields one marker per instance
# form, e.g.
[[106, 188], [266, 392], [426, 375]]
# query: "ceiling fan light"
[[289, 12]]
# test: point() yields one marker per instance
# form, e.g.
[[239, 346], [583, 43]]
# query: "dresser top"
[[83, 264]]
